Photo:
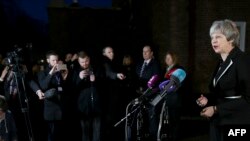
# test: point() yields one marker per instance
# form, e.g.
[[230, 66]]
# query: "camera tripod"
[[23, 100]]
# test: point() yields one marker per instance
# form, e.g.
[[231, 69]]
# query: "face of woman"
[[169, 60], [220, 43], [127, 61]]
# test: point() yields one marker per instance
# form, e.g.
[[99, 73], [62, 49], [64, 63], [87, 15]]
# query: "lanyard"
[[58, 79]]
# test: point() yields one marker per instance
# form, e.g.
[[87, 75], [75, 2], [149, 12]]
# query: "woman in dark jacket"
[[172, 100], [229, 101]]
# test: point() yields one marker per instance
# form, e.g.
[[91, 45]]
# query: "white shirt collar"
[[147, 61]]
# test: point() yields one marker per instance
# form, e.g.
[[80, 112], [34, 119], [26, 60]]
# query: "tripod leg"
[[23, 100], [29, 127]]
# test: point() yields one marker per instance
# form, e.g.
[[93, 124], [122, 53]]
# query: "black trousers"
[[91, 129], [55, 131]]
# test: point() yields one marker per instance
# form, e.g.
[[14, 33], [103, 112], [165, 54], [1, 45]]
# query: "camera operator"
[[14, 79]]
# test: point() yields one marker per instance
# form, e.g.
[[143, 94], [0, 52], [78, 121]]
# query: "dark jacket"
[[152, 68], [88, 102], [174, 98], [232, 79], [52, 105], [8, 131]]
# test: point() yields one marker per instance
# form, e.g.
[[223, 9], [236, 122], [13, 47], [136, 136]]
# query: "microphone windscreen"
[[163, 84], [153, 80], [180, 74]]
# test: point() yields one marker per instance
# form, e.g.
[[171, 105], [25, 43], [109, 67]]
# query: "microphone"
[[170, 86], [163, 84], [147, 93], [152, 81]]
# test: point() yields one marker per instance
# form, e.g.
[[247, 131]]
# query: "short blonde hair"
[[227, 28]]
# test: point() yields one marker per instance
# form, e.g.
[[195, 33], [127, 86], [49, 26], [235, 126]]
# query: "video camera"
[[13, 57]]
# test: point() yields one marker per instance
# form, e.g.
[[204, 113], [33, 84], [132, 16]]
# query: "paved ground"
[[194, 129]]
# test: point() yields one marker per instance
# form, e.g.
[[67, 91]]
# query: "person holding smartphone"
[[88, 104], [53, 82]]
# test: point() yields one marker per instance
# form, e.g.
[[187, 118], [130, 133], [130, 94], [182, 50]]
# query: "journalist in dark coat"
[[84, 80], [111, 94], [88, 99], [52, 103], [52, 81], [229, 101]]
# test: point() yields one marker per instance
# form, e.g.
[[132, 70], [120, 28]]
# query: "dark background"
[[178, 25]]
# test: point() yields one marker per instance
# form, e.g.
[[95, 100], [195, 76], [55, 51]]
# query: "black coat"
[[152, 68], [8, 131], [53, 105], [232, 79], [88, 103]]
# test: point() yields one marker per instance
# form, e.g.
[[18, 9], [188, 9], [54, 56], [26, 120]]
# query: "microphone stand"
[[139, 123], [164, 112], [127, 115], [139, 100], [127, 131]]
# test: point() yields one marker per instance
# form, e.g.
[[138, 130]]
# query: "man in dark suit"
[[147, 68]]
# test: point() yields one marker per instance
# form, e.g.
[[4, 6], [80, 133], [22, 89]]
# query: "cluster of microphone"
[[154, 94]]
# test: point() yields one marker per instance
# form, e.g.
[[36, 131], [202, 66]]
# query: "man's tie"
[[143, 68]]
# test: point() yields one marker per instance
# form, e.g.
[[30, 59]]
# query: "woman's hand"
[[202, 101], [208, 112]]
